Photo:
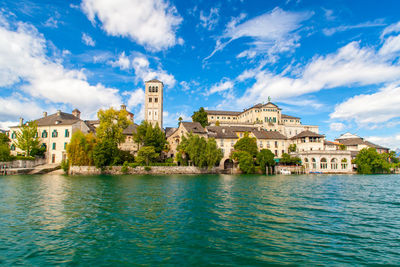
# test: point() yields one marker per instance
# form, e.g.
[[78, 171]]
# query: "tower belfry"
[[154, 102]]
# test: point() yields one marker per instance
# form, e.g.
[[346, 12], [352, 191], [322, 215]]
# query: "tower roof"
[[154, 81]]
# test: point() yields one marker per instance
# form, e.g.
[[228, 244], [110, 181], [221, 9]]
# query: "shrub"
[[125, 167], [147, 168], [65, 166]]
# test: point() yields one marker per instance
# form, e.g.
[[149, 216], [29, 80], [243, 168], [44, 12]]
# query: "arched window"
[[54, 133], [12, 147], [344, 164], [306, 163], [13, 135], [314, 163], [44, 134], [156, 89], [324, 163], [334, 164]]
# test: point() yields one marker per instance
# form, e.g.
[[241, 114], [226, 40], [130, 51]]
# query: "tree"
[[369, 161], [80, 149], [201, 117], [4, 147], [248, 144], [246, 161], [265, 158], [180, 120], [147, 135], [146, 154], [342, 147], [202, 152], [286, 159], [112, 125], [105, 153], [292, 148], [27, 138]]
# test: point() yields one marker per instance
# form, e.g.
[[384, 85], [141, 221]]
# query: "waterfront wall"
[[24, 163], [116, 170]]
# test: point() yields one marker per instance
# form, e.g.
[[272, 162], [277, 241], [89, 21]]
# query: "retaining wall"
[[24, 163]]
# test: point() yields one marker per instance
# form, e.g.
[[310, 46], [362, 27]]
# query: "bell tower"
[[154, 102]]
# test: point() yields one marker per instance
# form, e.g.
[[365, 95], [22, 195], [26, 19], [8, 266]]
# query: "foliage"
[[125, 167], [288, 160], [181, 158], [245, 159], [147, 168], [180, 120], [105, 153], [202, 152], [201, 117], [342, 147], [391, 157], [65, 166], [265, 158], [112, 124], [4, 147], [27, 138], [217, 123], [248, 144], [147, 135], [123, 156], [146, 155], [80, 149], [292, 148], [39, 152], [169, 160], [369, 161]]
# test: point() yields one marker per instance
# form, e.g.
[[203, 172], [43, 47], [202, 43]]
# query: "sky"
[[333, 63]]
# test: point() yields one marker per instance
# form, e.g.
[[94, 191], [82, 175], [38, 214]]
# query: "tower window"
[[150, 99], [156, 89], [156, 100]]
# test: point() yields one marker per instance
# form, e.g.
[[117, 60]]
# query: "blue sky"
[[334, 64]]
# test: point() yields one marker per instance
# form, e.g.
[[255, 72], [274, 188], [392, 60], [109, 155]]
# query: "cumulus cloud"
[[12, 108], [272, 32], [220, 87], [370, 109], [211, 20], [135, 98], [144, 72], [87, 40], [25, 66], [151, 23], [350, 65], [122, 62], [392, 142], [337, 126]]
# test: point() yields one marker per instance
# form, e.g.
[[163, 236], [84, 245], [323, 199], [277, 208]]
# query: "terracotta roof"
[[307, 133], [194, 127], [154, 81], [130, 129], [222, 112], [221, 132], [326, 142], [169, 131], [60, 118], [269, 135], [351, 141], [284, 116]]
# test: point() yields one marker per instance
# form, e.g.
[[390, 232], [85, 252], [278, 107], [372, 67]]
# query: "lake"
[[200, 220]]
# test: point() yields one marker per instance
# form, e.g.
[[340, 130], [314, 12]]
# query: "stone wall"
[[116, 170], [24, 163]]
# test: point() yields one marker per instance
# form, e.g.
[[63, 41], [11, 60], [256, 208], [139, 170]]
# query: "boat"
[[285, 172]]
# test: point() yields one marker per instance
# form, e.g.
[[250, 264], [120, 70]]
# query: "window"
[[150, 99], [13, 135], [156, 100], [54, 134], [66, 133], [156, 89], [12, 147], [65, 145], [54, 146], [276, 144], [314, 163], [276, 153], [334, 164], [44, 134], [324, 164], [344, 164], [261, 144]]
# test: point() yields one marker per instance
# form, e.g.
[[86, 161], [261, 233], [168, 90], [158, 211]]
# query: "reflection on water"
[[199, 220]]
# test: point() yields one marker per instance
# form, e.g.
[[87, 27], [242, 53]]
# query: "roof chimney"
[[21, 121], [123, 107], [44, 113], [58, 112], [76, 113]]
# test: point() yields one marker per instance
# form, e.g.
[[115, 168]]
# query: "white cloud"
[[151, 23], [390, 46], [123, 62], [25, 66], [87, 40], [393, 28], [209, 22], [342, 28], [337, 126], [272, 32], [220, 87], [51, 23], [136, 98], [143, 72], [13, 108], [371, 109], [393, 141], [350, 65]]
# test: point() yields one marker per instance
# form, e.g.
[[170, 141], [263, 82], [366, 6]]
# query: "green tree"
[[180, 120], [27, 138], [201, 117], [105, 153], [212, 153], [146, 155], [4, 147], [246, 161], [248, 144], [292, 148], [286, 159], [369, 161], [112, 125], [80, 149], [265, 158], [147, 135]]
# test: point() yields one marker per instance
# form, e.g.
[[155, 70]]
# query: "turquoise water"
[[200, 220]]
